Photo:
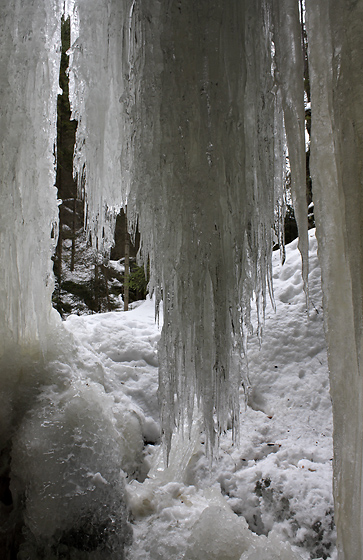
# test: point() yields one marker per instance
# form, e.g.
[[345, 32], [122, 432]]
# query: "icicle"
[[261, 119], [193, 153], [202, 186], [97, 84], [280, 169], [336, 69], [29, 61], [290, 77]]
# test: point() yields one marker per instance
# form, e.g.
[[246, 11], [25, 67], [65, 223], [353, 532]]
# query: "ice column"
[[208, 131], [182, 105], [336, 71], [290, 86], [29, 70]]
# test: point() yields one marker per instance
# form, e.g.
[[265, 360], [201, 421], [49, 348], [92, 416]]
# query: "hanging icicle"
[[336, 75], [290, 82], [195, 131], [29, 62]]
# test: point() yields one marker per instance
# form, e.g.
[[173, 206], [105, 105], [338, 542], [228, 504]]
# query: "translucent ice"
[[234, 536], [335, 57], [290, 82], [184, 109], [29, 62], [71, 444]]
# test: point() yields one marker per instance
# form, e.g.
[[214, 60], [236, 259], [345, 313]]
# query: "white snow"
[[94, 410], [280, 476]]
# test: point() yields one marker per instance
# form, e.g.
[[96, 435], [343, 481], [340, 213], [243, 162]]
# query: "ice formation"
[[336, 70], [183, 108], [198, 133], [29, 61]]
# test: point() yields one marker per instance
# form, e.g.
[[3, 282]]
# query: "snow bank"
[[85, 444], [279, 478]]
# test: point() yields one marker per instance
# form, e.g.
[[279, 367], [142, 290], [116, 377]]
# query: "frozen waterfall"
[[193, 119], [184, 110]]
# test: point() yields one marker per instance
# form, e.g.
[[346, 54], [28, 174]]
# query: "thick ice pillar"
[[204, 190], [182, 105], [29, 70], [336, 73]]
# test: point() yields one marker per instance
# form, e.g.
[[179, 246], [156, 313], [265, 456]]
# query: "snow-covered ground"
[[279, 478]]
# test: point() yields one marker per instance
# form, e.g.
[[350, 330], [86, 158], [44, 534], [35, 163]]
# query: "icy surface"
[[189, 120], [98, 79], [290, 84], [336, 55], [90, 409], [29, 63], [177, 119], [73, 438], [279, 479]]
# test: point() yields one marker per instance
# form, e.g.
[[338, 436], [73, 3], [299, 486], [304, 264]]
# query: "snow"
[[286, 431], [279, 478], [88, 432], [126, 344], [117, 265]]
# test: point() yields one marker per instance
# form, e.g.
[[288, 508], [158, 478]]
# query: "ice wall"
[[183, 105], [61, 448], [336, 73], [289, 82], [29, 63]]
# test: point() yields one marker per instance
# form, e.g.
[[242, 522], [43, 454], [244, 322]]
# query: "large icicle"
[[336, 74], [290, 82], [98, 62], [202, 188], [188, 90], [29, 62]]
